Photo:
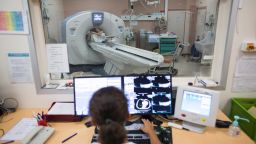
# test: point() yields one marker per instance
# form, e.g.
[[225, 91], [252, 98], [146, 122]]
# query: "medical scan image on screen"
[[85, 87], [148, 94], [198, 103]]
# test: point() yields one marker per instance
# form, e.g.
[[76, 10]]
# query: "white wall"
[[179, 22], [210, 4], [210, 8], [245, 29], [26, 93]]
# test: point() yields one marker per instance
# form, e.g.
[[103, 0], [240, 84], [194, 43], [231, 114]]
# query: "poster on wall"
[[245, 74], [244, 84], [20, 70], [13, 22]]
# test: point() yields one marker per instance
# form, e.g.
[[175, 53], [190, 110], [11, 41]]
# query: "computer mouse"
[[88, 124]]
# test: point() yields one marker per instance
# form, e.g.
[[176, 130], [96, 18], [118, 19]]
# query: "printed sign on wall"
[[13, 22]]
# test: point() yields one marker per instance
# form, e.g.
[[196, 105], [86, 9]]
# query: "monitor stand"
[[193, 127]]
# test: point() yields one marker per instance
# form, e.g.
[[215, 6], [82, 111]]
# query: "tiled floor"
[[187, 68]]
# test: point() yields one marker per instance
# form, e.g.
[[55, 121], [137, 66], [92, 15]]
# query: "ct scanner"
[[117, 57]]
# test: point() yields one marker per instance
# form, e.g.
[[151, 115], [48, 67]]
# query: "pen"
[[69, 137], [35, 116], [11, 141], [43, 115], [39, 117]]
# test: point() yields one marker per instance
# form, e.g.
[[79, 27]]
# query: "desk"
[[64, 130]]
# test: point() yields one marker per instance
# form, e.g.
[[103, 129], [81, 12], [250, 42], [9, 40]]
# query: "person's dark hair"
[[109, 111]]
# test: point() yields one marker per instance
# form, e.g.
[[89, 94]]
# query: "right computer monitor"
[[197, 107], [149, 94]]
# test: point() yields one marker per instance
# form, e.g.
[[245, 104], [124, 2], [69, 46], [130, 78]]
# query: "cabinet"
[[167, 44]]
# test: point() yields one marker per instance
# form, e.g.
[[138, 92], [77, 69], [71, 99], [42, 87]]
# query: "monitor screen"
[[84, 87], [97, 18], [146, 94], [196, 105], [149, 94]]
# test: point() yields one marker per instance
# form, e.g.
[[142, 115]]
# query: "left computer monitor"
[[84, 87]]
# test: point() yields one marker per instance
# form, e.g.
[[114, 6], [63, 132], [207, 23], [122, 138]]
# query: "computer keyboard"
[[139, 137], [151, 119], [135, 136]]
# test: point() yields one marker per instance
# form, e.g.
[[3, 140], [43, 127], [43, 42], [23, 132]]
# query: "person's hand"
[[148, 127]]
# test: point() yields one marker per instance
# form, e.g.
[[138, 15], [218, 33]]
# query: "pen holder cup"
[[42, 122]]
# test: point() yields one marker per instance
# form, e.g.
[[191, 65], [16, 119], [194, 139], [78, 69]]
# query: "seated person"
[[109, 111], [97, 35]]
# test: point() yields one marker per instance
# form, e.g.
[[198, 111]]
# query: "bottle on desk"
[[234, 129]]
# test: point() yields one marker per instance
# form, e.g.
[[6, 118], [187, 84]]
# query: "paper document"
[[244, 84], [57, 58], [20, 130], [20, 69], [245, 75], [62, 109], [246, 67], [208, 83]]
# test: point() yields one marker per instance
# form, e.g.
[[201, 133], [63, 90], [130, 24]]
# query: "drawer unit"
[[167, 45]]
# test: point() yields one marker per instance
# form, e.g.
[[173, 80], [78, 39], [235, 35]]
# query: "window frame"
[[219, 74]]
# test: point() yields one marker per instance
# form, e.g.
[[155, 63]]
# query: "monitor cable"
[[7, 105], [2, 130]]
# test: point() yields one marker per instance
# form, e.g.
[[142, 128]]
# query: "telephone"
[[38, 135]]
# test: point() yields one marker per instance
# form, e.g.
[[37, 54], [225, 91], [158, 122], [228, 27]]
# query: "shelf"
[[141, 17], [245, 45]]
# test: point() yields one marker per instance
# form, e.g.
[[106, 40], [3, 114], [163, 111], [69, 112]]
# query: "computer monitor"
[[197, 107], [149, 94], [146, 94], [84, 87]]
